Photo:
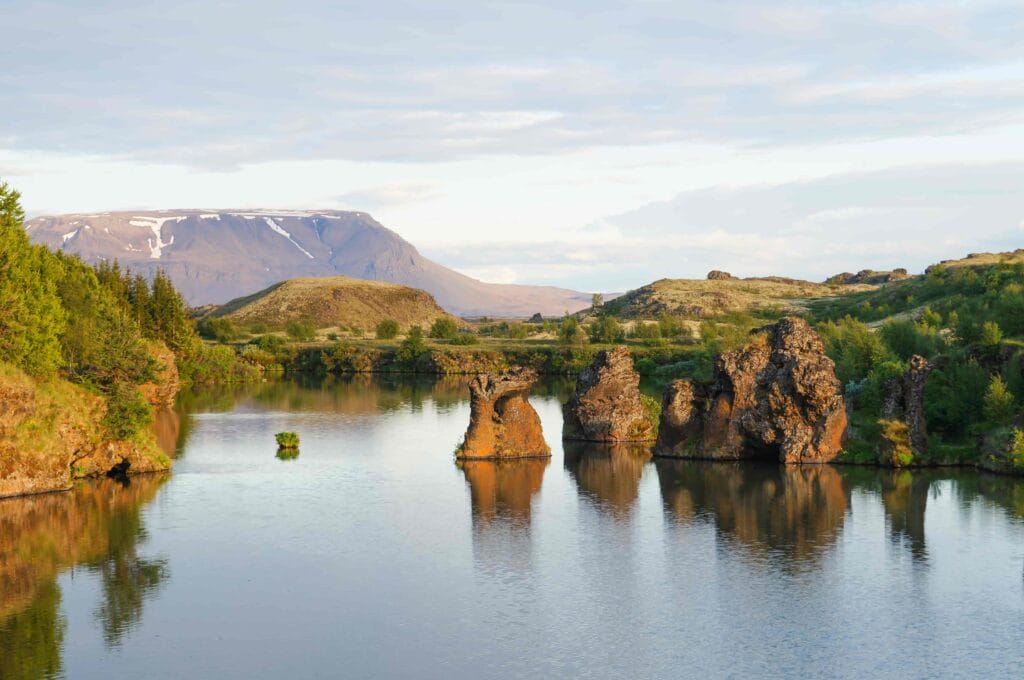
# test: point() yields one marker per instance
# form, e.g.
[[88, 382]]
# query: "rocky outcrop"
[[537, 318], [680, 426], [51, 432], [42, 428], [502, 422], [869, 276], [716, 275], [776, 398], [904, 433], [162, 391], [607, 406]]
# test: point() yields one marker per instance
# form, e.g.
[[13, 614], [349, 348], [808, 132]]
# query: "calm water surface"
[[373, 555]]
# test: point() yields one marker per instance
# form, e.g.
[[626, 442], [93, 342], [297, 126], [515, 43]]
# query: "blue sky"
[[598, 145]]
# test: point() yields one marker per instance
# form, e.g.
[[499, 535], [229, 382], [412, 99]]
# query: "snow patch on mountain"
[[276, 227], [156, 224]]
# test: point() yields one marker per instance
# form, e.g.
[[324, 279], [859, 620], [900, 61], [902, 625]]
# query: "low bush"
[[287, 440]]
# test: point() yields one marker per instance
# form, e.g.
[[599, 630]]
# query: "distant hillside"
[[213, 256], [696, 299], [946, 286], [334, 301]]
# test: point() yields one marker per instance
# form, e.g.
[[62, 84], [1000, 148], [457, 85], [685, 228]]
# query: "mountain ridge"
[[215, 255]]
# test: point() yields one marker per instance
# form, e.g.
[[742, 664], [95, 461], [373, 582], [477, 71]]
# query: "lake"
[[373, 555]]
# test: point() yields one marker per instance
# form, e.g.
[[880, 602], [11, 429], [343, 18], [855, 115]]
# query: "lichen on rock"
[[502, 423]]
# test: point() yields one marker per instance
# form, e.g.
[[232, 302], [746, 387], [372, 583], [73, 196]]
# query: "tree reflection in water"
[[98, 525]]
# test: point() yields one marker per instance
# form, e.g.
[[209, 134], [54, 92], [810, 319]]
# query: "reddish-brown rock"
[[777, 398], [502, 422], [606, 406], [161, 392], [904, 430]]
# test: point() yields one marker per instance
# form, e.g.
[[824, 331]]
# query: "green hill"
[[333, 301], [700, 299]]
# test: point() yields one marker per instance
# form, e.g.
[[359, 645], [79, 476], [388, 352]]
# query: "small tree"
[[301, 331], [444, 328], [999, 405], [571, 333], [597, 301], [991, 334], [387, 329], [518, 331], [606, 329], [931, 318], [412, 347]]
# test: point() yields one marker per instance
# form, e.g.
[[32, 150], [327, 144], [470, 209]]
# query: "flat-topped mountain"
[[215, 256], [334, 301]]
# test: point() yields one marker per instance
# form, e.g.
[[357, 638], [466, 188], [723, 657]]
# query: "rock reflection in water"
[[97, 525], [501, 495], [608, 473], [796, 511], [905, 499]]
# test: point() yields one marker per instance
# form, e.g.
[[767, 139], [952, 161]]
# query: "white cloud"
[[388, 195]]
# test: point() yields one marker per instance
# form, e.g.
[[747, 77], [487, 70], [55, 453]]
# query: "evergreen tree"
[[170, 321], [31, 317], [999, 405]]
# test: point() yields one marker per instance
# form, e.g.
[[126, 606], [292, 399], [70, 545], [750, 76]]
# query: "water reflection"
[[501, 497], [97, 525], [609, 474], [358, 394], [905, 499], [793, 511]]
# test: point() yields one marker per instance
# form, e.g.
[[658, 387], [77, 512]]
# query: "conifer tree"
[[31, 316]]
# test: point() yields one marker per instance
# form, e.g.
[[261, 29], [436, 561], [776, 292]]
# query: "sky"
[[595, 145]]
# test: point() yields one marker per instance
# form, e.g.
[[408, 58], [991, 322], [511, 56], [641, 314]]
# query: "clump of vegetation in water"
[[287, 440], [287, 454]]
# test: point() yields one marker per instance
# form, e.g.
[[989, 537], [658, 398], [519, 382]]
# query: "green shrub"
[[412, 346], [652, 409], [1017, 449], [218, 329], [387, 329], [953, 396], [606, 329], [301, 331], [991, 334], [645, 366], [999, 406], [896, 435], [128, 413], [465, 339], [269, 343], [647, 331], [518, 331], [444, 328], [854, 348], [570, 333], [287, 440]]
